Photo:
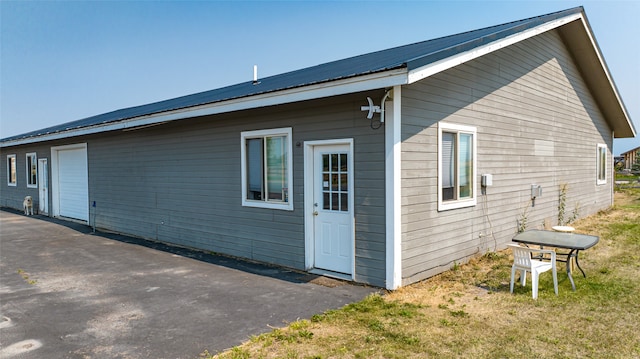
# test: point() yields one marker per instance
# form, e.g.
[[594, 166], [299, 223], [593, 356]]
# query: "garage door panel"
[[73, 184]]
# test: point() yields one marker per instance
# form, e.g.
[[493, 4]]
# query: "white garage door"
[[73, 183]]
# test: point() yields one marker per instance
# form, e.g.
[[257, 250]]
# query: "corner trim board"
[[393, 192]]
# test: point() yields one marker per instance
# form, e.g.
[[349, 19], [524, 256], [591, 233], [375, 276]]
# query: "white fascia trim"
[[393, 192], [332, 88], [444, 64], [605, 68]]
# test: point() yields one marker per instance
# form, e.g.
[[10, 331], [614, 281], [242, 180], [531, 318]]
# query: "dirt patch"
[[323, 281]]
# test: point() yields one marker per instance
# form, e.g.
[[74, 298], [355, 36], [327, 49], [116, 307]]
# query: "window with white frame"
[[456, 166], [32, 170], [12, 178], [267, 174], [601, 164]]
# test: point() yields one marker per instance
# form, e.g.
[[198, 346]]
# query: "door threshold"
[[331, 274], [74, 220]]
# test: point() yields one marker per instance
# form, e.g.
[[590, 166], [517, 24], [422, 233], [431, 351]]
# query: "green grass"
[[633, 181], [626, 177], [25, 276], [469, 312]]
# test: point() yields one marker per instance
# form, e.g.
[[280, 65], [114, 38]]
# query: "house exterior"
[[384, 169], [630, 157]]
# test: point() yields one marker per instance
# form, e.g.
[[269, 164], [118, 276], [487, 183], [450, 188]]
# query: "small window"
[[12, 180], [601, 164], [32, 170], [335, 182], [267, 169], [456, 166]]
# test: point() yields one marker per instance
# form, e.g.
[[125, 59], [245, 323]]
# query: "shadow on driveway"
[[69, 293]]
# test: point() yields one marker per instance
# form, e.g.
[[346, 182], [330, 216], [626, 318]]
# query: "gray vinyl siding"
[[13, 196], [537, 124], [180, 183]]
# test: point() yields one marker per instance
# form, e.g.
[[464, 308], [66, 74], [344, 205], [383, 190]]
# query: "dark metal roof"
[[409, 56]]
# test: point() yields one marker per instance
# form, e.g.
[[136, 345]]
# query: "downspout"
[[388, 94], [613, 172]]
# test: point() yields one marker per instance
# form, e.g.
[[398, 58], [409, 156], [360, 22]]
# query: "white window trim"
[[470, 202], [288, 206], [15, 161], [28, 172], [598, 164]]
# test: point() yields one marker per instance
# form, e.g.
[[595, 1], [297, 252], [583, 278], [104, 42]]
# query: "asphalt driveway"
[[68, 293]]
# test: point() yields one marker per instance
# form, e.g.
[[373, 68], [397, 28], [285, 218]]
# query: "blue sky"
[[65, 60]]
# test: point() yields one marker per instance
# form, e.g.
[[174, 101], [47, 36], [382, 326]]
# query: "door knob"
[[315, 213]]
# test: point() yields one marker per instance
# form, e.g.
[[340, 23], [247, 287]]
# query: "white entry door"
[[43, 186], [333, 208]]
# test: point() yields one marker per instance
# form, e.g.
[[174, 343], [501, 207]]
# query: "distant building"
[[630, 157]]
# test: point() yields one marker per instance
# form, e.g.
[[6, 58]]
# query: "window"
[[266, 169], [456, 166], [32, 170], [335, 182], [12, 180], [601, 164]]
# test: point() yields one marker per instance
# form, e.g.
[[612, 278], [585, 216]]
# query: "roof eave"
[[354, 84], [584, 48], [571, 24], [630, 151]]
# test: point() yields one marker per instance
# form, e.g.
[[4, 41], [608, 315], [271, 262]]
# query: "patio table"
[[572, 241]]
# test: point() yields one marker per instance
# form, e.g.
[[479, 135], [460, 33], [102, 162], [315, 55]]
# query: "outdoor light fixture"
[[373, 109]]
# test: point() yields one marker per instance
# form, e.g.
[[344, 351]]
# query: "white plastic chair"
[[522, 261]]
